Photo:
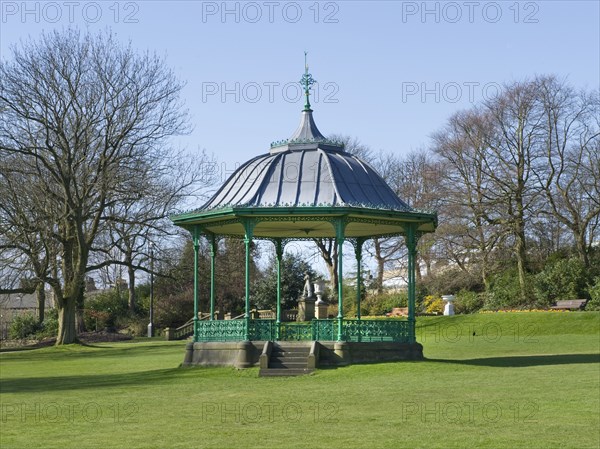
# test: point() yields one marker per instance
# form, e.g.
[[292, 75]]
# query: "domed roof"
[[307, 170], [306, 187]]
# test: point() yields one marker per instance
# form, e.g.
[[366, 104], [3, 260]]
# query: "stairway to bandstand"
[[287, 359]]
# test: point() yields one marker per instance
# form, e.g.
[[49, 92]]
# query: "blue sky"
[[390, 73]]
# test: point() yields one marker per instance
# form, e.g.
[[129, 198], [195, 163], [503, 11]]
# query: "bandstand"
[[304, 188]]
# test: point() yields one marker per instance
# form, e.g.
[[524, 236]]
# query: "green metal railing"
[[295, 331], [220, 330], [324, 330], [378, 330], [262, 330]]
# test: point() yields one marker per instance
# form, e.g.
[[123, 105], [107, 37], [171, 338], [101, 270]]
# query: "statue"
[[306, 304], [308, 287]]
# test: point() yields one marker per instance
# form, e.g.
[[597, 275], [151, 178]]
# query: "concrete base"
[[306, 309], [449, 309], [321, 309], [352, 353], [244, 354], [241, 354]]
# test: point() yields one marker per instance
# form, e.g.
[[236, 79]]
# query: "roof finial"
[[307, 81]]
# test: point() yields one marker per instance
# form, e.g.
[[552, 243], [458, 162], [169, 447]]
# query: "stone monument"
[[306, 304], [449, 307], [320, 306]]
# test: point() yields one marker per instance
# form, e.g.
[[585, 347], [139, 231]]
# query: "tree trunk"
[[328, 250], [521, 252], [131, 287], [66, 322], [519, 224], [484, 272], [333, 274], [41, 300], [582, 247], [79, 312]]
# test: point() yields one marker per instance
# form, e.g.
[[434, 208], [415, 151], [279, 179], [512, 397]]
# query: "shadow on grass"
[[82, 382], [526, 360], [111, 349]]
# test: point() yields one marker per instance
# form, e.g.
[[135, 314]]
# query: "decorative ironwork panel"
[[324, 330], [262, 330], [296, 331], [377, 330], [221, 330]]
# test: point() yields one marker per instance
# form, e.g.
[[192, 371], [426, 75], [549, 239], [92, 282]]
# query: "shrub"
[[49, 327], [374, 305], [133, 325], [103, 309], [505, 291], [95, 320], [594, 292], [350, 306], [563, 279], [24, 326], [433, 304], [469, 302], [173, 310]]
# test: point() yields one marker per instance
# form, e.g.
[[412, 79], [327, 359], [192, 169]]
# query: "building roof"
[[307, 186], [307, 170], [23, 300]]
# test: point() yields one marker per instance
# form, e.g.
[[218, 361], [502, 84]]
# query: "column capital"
[[339, 225], [357, 243], [412, 237], [249, 225], [196, 233]]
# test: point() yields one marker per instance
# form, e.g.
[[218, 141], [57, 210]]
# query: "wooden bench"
[[572, 304]]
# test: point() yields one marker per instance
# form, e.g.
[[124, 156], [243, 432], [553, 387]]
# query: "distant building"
[[90, 284], [15, 304]]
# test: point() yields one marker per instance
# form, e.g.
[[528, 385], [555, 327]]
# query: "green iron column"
[[196, 242], [358, 253], [411, 245], [279, 254], [340, 225], [213, 253], [249, 230]]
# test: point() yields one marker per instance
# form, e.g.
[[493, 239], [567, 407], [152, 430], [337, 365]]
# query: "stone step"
[[303, 347], [286, 364], [281, 372], [288, 360], [287, 345], [289, 354], [281, 358]]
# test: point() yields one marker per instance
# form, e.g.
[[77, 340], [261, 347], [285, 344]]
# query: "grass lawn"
[[523, 380]]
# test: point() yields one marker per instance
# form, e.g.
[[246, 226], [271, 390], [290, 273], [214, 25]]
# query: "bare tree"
[[514, 151], [468, 231], [143, 222], [570, 174], [88, 120], [522, 166], [27, 252], [415, 179]]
